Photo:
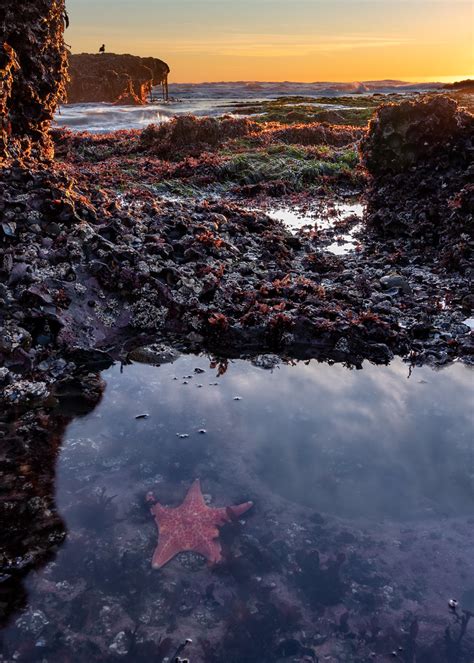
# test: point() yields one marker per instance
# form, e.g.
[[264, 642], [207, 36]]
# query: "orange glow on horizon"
[[341, 40]]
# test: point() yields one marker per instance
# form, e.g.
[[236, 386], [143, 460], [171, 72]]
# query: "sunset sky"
[[275, 40]]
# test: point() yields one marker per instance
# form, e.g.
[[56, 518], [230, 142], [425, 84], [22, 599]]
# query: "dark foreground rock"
[[33, 64], [420, 158], [30, 441], [108, 77]]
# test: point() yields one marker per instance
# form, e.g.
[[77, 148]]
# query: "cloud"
[[280, 45]]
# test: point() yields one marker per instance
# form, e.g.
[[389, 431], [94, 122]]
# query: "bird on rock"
[[191, 526]]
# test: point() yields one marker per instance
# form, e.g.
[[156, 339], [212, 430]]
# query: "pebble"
[[120, 644]]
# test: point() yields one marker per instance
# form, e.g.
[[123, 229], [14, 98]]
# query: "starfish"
[[191, 526]]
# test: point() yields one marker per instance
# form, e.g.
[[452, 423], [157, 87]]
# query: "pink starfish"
[[191, 526]]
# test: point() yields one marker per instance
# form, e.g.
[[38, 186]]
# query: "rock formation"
[[124, 79], [33, 64], [419, 156], [403, 135]]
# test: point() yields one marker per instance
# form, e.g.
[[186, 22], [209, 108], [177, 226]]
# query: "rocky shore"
[[96, 264], [90, 274], [33, 70], [91, 269]]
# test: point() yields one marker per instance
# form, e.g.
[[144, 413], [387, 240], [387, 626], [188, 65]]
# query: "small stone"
[[120, 644], [24, 390], [4, 373], [395, 281]]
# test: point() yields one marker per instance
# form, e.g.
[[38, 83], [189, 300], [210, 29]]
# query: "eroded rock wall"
[[33, 70]]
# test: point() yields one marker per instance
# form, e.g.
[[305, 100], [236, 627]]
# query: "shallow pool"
[[360, 533]]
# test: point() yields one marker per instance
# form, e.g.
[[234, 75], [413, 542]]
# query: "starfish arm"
[[194, 496], [238, 509], [211, 550], [164, 551], [229, 514], [158, 511]]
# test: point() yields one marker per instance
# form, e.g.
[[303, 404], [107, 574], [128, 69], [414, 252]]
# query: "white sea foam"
[[211, 99]]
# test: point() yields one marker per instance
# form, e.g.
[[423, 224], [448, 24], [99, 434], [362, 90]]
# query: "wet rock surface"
[[31, 433], [87, 268], [33, 66], [421, 197], [113, 78]]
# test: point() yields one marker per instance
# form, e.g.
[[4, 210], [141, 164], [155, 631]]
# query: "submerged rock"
[[154, 354]]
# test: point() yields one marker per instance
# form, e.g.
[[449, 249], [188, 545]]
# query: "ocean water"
[[212, 99]]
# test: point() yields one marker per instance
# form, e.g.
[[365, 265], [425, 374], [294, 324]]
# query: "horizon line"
[[420, 81]]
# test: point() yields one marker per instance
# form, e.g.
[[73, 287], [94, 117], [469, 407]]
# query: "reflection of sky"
[[362, 443]]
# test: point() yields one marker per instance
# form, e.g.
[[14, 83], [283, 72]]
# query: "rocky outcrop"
[[33, 63], [107, 77], [419, 156], [404, 135], [466, 85]]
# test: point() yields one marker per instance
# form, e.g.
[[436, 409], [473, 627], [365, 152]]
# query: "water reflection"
[[357, 477], [355, 443], [31, 528], [297, 219]]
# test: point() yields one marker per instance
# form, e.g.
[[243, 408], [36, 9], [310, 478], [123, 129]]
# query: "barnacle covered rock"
[[33, 66], [419, 156], [402, 135]]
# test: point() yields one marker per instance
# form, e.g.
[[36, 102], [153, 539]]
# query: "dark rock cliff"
[[125, 79], [33, 64]]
